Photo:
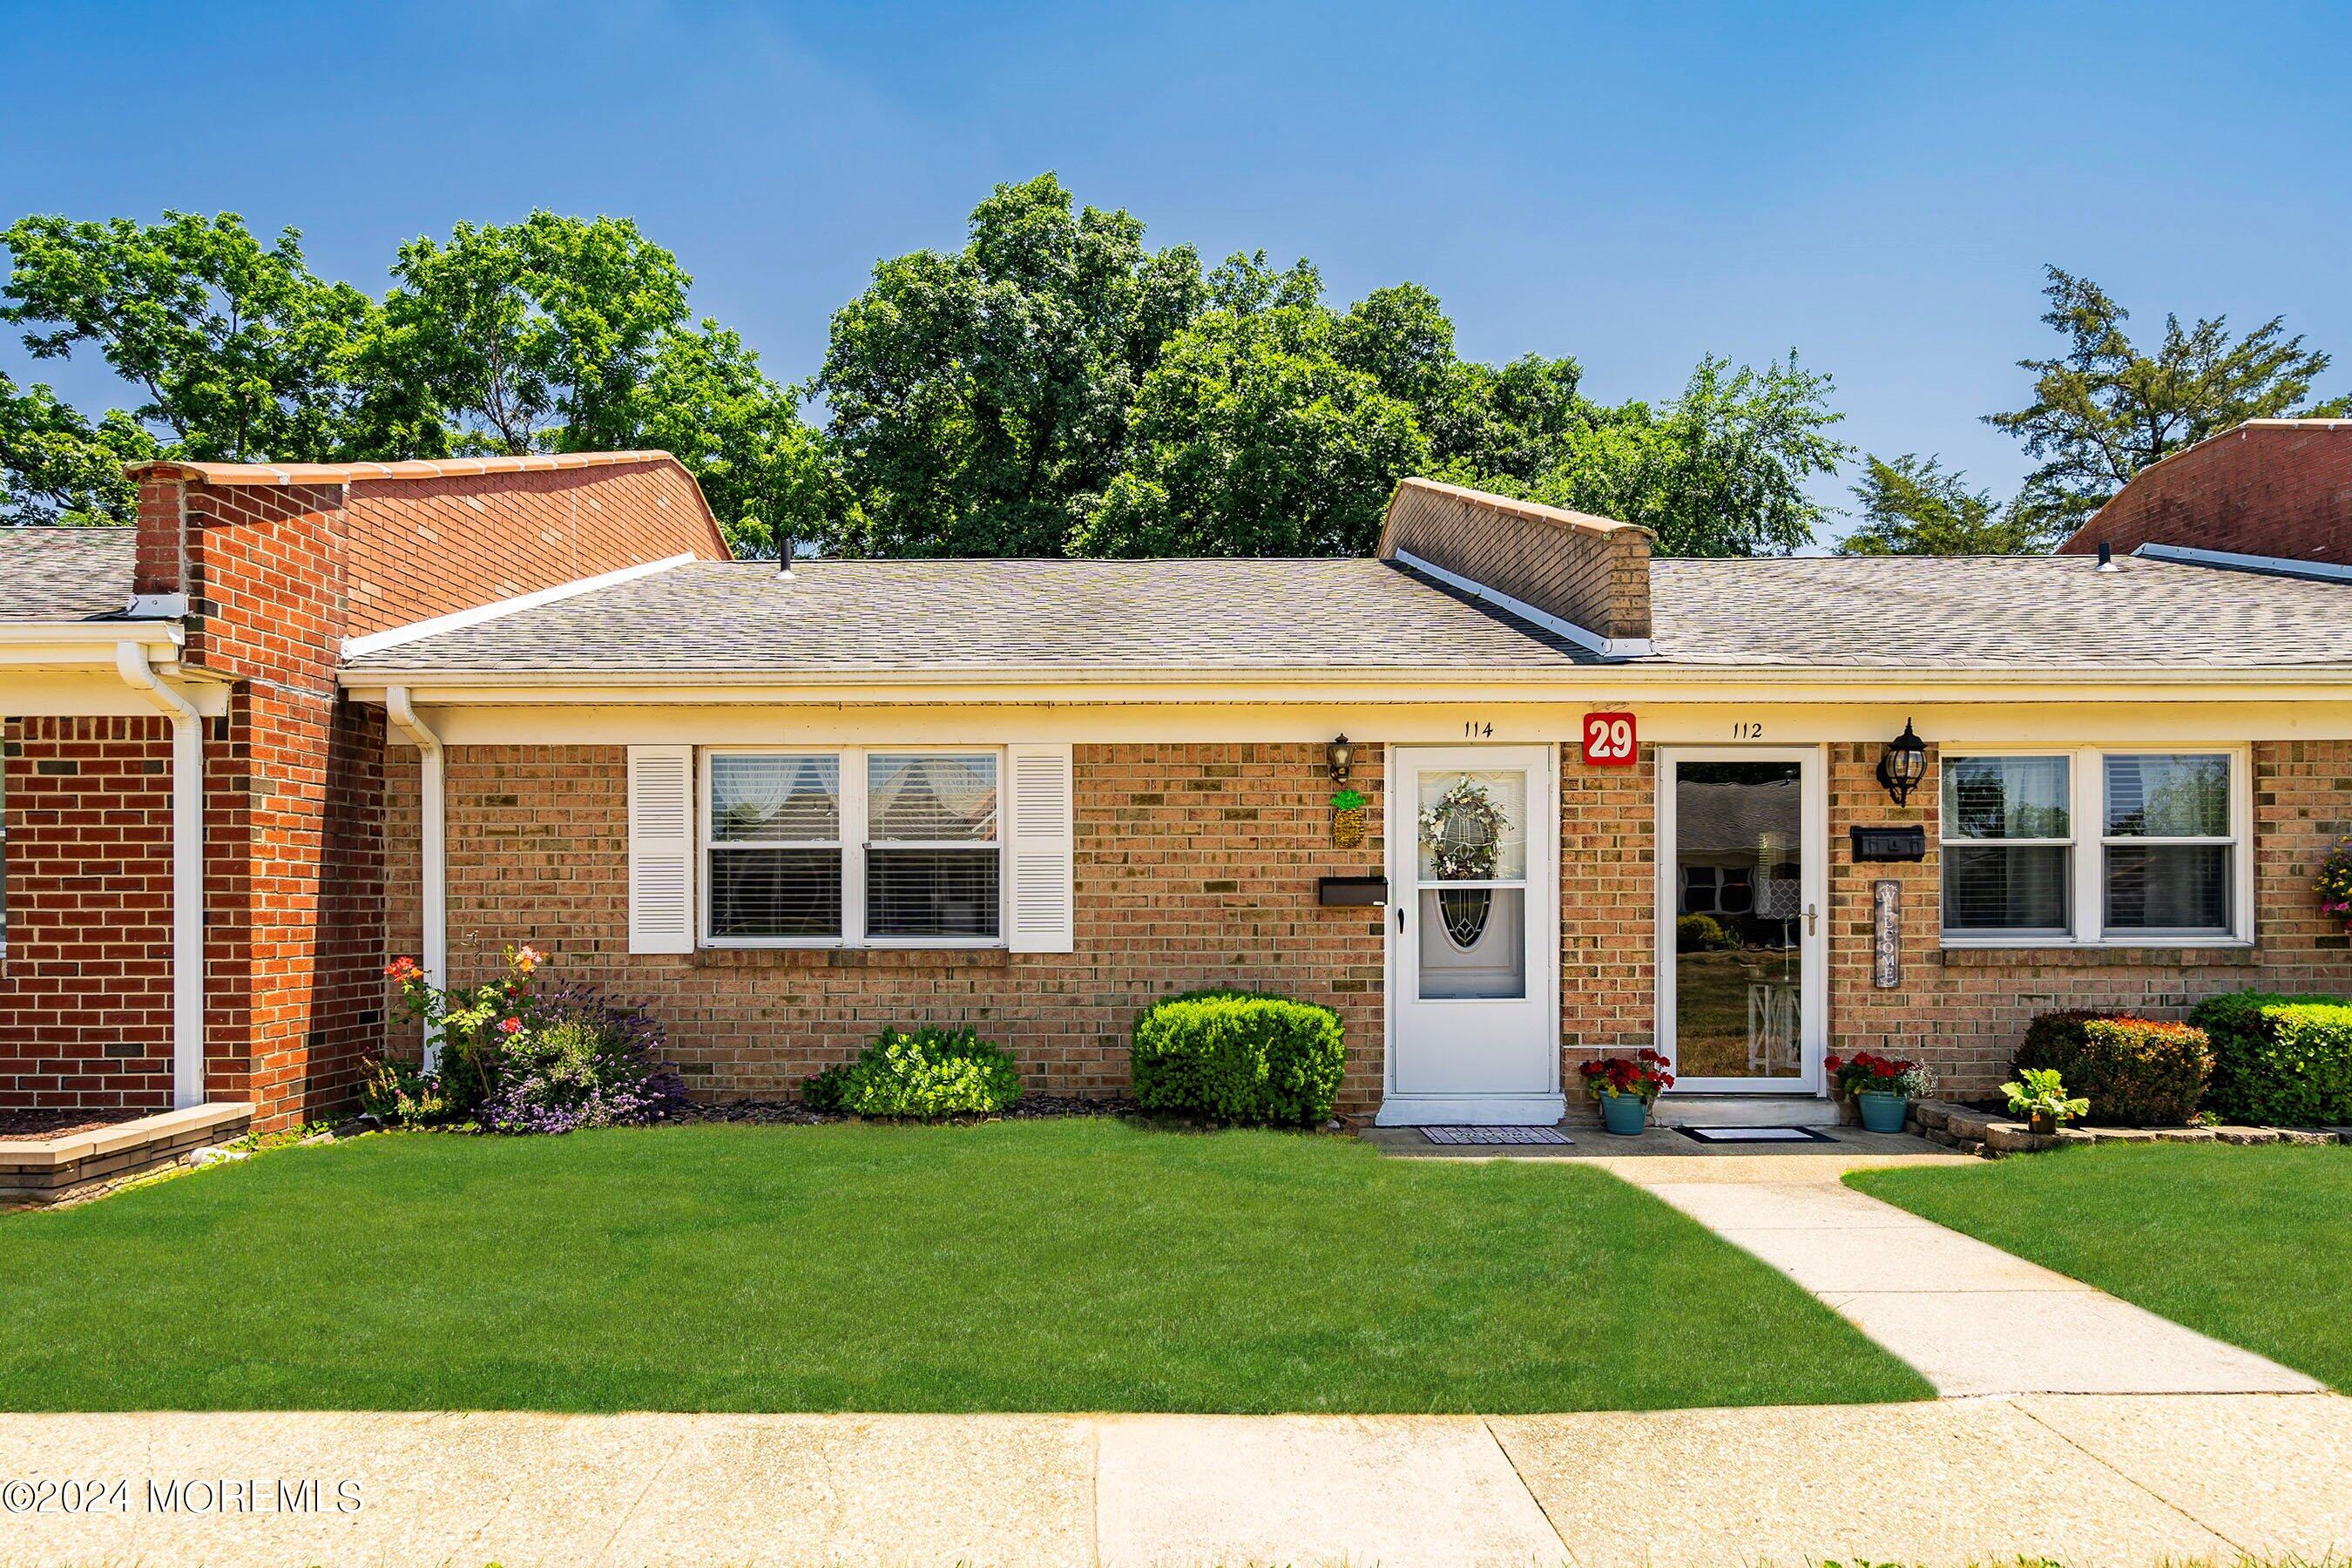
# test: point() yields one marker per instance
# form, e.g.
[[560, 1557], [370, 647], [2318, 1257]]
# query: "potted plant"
[[1883, 1087], [1347, 818], [2041, 1099], [1624, 1086]]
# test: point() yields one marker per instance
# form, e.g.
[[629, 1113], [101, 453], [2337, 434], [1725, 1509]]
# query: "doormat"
[[1495, 1135], [1755, 1136]]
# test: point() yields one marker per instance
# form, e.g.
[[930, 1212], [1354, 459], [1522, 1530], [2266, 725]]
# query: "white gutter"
[[2235, 561], [435, 837], [187, 873], [458, 620], [1582, 637]]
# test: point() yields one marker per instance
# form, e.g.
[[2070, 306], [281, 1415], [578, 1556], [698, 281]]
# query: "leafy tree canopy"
[[242, 352], [57, 467], [528, 338], [1912, 506], [980, 399], [2103, 410]]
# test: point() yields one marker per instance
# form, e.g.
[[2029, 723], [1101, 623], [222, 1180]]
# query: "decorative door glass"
[[1472, 869]]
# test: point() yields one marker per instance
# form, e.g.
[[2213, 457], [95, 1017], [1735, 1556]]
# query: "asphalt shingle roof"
[[837, 617], [1991, 612], [847, 616], [66, 574]]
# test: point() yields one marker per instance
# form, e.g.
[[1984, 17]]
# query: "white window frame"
[[853, 843], [2087, 846]]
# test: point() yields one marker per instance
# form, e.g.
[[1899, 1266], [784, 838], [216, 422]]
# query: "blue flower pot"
[[1625, 1114], [1884, 1112]]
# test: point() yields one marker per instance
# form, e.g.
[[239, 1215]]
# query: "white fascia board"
[[2230, 559], [459, 619], [1607, 647]]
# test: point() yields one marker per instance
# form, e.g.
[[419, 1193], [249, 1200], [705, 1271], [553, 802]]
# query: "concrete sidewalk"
[[1973, 1319], [2088, 1480]]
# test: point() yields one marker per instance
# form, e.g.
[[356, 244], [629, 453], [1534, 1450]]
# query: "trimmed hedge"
[[2282, 1061], [1239, 1056], [930, 1073], [2136, 1072]]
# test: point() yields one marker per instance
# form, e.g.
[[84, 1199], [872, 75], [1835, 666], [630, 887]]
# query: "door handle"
[[1399, 919], [1812, 919]]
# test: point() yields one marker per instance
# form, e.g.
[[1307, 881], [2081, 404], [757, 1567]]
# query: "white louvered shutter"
[[1038, 849], [661, 848]]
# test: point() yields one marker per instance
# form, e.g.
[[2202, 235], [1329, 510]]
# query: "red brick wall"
[[421, 548], [1196, 866], [2262, 490], [86, 988]]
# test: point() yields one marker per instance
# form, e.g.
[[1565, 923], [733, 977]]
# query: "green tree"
[[1254, 438], [530, 337], [55, 466], [242, 352], [2103, 410], [980, 400], [767, 476], [1721, 470], [1912, 506]]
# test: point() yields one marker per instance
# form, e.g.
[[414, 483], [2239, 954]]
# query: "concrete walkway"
[[2088, 1480], [1973, 1319]]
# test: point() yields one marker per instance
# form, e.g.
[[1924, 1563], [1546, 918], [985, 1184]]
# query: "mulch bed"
[[794, 1113], [61, 1123]]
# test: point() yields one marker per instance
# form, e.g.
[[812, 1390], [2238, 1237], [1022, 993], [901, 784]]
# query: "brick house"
[[304, 718]]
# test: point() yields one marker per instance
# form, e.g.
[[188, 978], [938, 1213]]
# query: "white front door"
[[1742, 884], [1474, 936]]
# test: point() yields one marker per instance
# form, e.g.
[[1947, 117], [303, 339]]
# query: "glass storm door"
[[1473, 935], [1741, 885]]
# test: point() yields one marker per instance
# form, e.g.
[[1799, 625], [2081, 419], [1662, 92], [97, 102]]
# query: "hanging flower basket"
[[1463, 832]]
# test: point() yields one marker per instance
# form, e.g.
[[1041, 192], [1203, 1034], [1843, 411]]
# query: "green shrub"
[[1702, 934], [2284, 1062], [930, 1073], [1237, 1055], [2136, 1072]]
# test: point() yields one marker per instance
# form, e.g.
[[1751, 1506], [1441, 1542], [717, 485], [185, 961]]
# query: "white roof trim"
[[2272, 565], [1607, 647], [354, 646]]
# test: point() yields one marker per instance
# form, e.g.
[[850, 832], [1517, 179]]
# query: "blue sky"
[[1876, 186]]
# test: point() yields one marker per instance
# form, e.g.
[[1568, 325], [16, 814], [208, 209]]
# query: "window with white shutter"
[[661, 850], [1040, 849]]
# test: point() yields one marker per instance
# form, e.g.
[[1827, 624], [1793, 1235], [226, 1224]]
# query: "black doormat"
[[1495, 1135], [1755, 1136]]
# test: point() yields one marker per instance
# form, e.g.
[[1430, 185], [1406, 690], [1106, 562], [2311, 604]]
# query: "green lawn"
[[2253, 1245], [1012, 1266]]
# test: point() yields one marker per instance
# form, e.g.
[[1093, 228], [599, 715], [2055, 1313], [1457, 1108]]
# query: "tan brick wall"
[[1196, 866], [1964, 1013], [1592, 571]]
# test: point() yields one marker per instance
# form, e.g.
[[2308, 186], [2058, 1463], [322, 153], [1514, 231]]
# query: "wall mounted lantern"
[[1341, 756], [1904, 763]]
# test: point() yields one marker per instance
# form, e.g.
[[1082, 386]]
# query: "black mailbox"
[[1358, 891], [1890, 843]]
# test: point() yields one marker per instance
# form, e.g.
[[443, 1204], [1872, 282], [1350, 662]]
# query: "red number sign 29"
[[1609, 739]]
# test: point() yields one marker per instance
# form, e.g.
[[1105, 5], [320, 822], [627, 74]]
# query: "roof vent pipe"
[[786, 548], [2107, 556]]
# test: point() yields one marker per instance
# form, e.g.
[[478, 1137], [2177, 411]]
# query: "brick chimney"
[[1589, 573]]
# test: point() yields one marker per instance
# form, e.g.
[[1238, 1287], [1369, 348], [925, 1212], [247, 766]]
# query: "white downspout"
[[187, 873], [435, 836]]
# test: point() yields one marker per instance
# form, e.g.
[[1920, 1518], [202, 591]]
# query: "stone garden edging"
[[1991, 1134]]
